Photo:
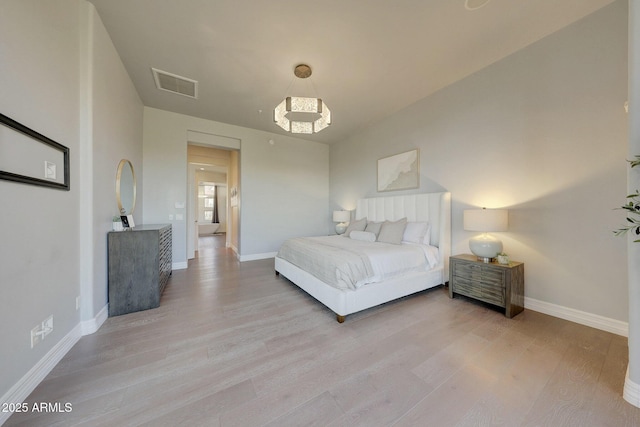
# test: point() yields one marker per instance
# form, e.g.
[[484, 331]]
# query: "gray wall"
[[542, 133], [40, 233], [57, 64], [284, 187], [116, 134]]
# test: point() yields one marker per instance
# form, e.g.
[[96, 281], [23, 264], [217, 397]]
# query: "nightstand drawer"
[[480, 273], [466, 287], [493, 294]]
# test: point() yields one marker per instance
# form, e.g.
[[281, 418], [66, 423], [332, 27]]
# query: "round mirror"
[[126, 187]]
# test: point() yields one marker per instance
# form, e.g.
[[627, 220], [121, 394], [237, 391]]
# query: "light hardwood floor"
[[234, 345]]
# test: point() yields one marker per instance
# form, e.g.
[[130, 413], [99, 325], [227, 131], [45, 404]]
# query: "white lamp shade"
[[486, 220], [341, 216]]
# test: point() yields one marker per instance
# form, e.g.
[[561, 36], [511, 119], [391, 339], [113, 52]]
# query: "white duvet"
[[345, 263]]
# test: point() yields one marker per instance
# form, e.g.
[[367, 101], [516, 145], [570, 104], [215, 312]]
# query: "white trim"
[[212, 140], [179, 265], [23, 388], [90, 326], [254, 257], [588, 319], [631, 391]]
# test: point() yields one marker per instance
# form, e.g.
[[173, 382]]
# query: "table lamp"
[[485, 246], [341, 217]]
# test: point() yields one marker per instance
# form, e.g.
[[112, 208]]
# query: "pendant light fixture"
[[305, 106]]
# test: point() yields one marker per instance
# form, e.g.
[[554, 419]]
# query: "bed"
[[344, 294]]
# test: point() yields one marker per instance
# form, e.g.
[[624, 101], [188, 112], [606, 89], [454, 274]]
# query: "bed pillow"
[[392, 232], [358, 225], [365, 236], [427, 235], [415, 232], [373, 227]]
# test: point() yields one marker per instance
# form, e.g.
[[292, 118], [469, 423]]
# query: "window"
[[206, 194]]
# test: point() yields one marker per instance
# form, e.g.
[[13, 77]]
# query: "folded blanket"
[[335, 261]]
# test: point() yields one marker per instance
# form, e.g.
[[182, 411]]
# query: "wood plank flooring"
[[234, 345]]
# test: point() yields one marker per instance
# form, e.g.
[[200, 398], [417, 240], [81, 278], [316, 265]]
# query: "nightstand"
[[493, 283]]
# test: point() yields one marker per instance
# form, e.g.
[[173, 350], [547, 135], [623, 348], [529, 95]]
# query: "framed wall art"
[[399, 172], [28, 157]]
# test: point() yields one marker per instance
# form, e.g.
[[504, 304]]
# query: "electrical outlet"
[[49, 170], [47, 326], [36, 335], [42, 330], [77, 302]]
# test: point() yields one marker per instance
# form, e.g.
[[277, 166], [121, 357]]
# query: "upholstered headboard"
[[432, 207]]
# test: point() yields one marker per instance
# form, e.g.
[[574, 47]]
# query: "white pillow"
[[365, 236], [415, 232], [427, 235]]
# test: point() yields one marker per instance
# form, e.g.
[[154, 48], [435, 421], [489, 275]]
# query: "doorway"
[[211, 171]]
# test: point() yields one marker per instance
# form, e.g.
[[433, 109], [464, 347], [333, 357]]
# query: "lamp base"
[[341, 228], [485, 247]]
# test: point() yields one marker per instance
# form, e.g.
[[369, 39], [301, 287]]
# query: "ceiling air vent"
[[174, 83]]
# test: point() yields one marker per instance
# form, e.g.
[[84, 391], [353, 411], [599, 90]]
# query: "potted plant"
[[503, 258], [633, 209], [117, 223]]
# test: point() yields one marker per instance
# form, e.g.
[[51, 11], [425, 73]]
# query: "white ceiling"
[[370, 58]]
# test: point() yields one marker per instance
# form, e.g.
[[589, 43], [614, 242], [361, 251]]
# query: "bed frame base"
[[345, 302]]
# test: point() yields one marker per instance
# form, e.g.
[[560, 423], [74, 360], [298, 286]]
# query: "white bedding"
[[346, 263]]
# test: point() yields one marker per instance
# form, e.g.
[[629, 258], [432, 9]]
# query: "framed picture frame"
[[399, 172], [127, 221], [29, 157]]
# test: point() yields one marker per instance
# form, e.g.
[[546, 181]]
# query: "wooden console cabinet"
[[493, 283], [139, 267]]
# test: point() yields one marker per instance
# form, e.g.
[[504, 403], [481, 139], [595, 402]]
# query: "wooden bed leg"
[[340, 318], [277, 273]]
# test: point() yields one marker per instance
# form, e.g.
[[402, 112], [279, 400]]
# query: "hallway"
[[212, 245]]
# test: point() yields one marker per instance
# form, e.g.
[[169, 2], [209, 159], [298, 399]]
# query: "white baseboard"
[[631, 391], [588, 319], [235, 250], [23, 388], [88, 327], [179, 265], [254, 257]]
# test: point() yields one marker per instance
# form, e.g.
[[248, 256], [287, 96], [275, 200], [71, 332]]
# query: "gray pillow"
[[374, 227], [358, 225], [392, 232]]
